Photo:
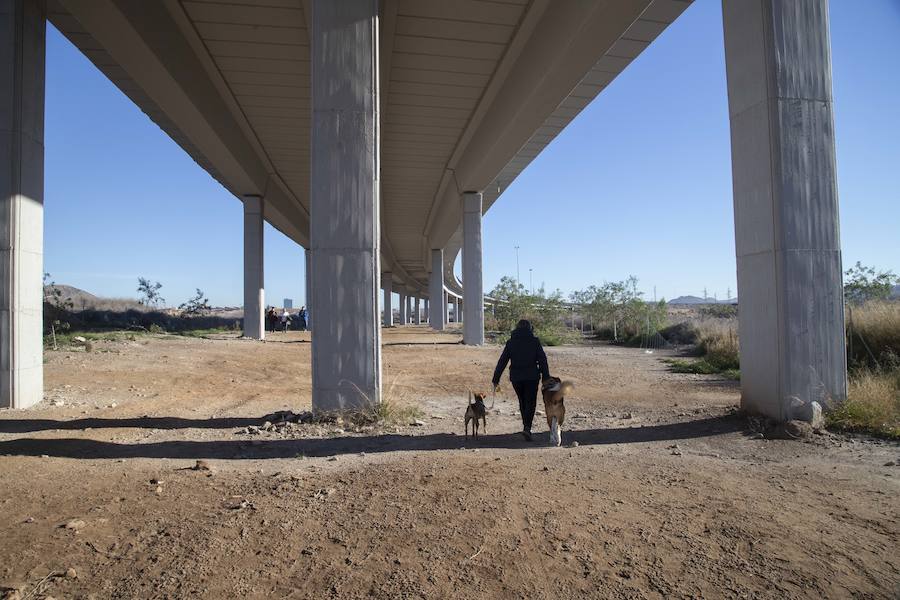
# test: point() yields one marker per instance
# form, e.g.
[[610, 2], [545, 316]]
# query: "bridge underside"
[[377, 134]]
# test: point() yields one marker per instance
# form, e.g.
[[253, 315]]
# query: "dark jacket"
[[526, 357]]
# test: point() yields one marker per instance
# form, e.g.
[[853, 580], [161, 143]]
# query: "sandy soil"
[[665, 495]]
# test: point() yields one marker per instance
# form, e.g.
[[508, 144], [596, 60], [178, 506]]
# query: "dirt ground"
[[666, 493]]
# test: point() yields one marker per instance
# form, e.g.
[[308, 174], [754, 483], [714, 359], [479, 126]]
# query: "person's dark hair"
[[524, 324]]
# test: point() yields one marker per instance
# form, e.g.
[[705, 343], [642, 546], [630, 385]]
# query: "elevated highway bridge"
[[376, 134]]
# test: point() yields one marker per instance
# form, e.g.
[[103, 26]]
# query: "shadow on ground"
[[292, 448], [26, 425]]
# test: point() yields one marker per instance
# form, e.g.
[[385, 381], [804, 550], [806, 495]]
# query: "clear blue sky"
[[639, 183]]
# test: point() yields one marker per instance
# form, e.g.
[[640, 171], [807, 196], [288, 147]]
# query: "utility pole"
[[728, 297], [654, 294], [531, 281], [518, 280], [704, 294]]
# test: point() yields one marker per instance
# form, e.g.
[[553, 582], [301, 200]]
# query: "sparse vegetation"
[[545, 311], [620, 305], [396, 412], [197, 306], [716, 344], [873, 405], [873, 359], [701, 367], [719, 311], [150, 295], [864, 284], [873, 336], [56, 309]]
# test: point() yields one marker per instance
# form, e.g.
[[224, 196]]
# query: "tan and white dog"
[[475, 411], [554, 391]]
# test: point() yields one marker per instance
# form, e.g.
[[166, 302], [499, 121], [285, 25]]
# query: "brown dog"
[[554, 391], [474, 411]]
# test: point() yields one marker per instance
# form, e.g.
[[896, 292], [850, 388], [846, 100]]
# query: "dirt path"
[[665, 494]]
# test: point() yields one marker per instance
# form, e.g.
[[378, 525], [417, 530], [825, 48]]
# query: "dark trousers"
[[527, 393]]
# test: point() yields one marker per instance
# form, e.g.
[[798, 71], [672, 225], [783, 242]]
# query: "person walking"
[[285, 320], [301, 319], [271, 319], [527, 366]]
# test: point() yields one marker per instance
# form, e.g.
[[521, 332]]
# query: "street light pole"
[[518, 279]]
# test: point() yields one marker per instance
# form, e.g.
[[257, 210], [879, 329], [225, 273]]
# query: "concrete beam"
[[160, 50], [473, 280], [345, 221], [778, 62], [387, 286], [22, 56], [438, 312], [254, 277]]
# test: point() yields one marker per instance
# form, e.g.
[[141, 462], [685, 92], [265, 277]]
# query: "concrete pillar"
[[460, 311], [778, 62], [417, 319], [309, 308], [401, 308], [23, 36], [254, 292], [455, 309], [387, 311], [426, 310], [345, 220], [438, 306], [473, 283]]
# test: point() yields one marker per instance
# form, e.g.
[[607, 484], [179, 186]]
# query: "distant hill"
[[71, 292], [82, 300]]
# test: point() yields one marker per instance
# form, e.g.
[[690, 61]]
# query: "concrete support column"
[[22, 36], [309, 308], [254, 292], [417, 319], [438, 308], [345, 220], [460, 311], [778, 61], [426, 310], [387, 312], [455, 309], [401, 308], [473, 281]]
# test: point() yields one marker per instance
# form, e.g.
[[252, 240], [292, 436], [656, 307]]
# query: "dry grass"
[[396, 408], [717, 343], [873, 331], [873, 405]]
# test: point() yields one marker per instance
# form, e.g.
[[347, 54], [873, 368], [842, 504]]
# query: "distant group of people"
[[283, 321]]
